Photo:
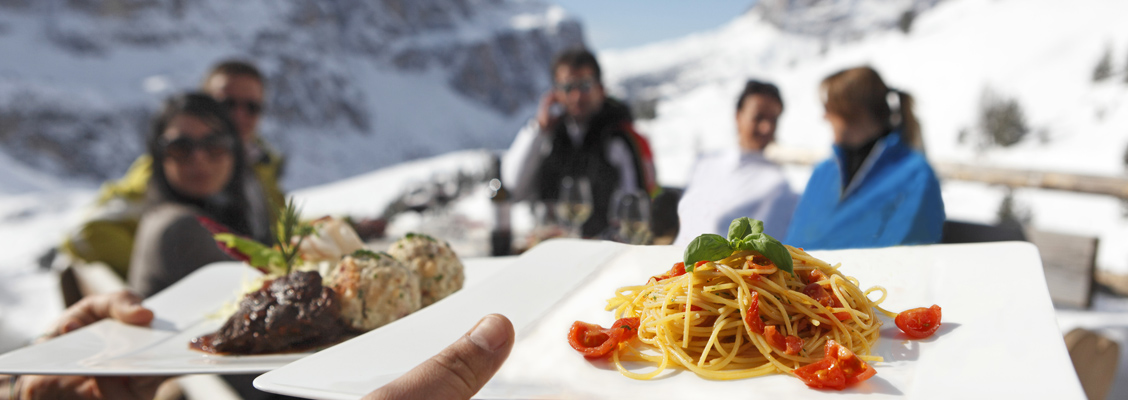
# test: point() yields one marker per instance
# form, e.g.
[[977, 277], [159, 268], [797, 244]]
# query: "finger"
[[129, 388], [123, 306], [55, 387], [461, 369]]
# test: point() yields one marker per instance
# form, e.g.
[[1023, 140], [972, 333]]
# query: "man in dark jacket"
[[591, 138]]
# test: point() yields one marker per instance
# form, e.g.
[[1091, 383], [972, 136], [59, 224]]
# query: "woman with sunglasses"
[[878, 189], [198, 162]]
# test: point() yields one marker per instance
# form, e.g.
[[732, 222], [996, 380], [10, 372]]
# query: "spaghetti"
[[742, 316]]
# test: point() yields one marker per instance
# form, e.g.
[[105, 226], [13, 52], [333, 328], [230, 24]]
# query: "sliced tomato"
[[822, 374], [753, 317], [818, 293], [794, 344], [919, 323], [593, 340], [815, 275], [677, 270], [839, 368], [757, 261], [853, 368], [771, 334]]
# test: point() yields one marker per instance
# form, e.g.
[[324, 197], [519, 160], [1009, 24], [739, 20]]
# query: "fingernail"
[[490, 334]]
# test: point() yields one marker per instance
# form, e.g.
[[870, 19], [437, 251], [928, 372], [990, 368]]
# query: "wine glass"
[[574, 204], [419, 197], [630, 213]]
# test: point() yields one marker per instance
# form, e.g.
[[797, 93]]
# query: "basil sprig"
[[744, 234]]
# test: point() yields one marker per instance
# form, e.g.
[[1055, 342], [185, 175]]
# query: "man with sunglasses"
[[579, 132], [107, 234]]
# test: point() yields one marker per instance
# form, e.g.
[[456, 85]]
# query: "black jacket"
[[612, 122]]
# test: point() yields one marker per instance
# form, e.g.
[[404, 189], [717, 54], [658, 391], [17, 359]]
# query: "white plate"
[[999, 338], [184, 311]]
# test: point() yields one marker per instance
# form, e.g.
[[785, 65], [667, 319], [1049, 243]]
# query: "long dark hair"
[[859, 91], [229, 207]]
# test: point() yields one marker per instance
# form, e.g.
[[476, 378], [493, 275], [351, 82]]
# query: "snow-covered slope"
[[1040, 52], [353, 85]]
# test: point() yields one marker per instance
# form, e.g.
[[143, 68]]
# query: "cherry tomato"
[[815, 275], [787, 345], [919, 323], [771, 334], [794, 344], [840, 367], [753, 317], [818, 293], [821, 374], [677, 270], [852, 367], [593, 340]]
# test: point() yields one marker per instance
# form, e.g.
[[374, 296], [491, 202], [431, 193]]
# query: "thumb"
[[126, 307], [461, 369]]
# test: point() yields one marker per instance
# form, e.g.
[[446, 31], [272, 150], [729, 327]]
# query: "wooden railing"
[[1011, 177]]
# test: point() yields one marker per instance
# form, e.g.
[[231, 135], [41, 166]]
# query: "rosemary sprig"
[[290, 225]]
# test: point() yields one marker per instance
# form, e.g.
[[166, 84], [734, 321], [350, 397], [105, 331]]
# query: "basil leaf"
[[739, 228], [771, 248], [757, 226], [707, 247], [744, 226]]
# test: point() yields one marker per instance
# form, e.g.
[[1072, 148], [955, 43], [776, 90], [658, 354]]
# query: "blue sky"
[[617, 24]]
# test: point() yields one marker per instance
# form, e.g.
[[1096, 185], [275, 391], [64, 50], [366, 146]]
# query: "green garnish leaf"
[[365, 253], [290, 225], [260, 256], [744, 226], [745, 234], [707, 247]]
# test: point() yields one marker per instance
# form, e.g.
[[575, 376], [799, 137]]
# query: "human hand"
[[122, 306], [460, 370], [545, 117]]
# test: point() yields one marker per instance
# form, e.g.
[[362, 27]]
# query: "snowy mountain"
[[355, 85]]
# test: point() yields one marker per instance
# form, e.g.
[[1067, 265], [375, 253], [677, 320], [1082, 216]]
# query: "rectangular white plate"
[[999, 338], [184, 311]]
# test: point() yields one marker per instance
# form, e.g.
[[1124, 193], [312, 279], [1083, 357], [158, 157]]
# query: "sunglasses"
[[252, 107], [182, 148], [583, 86]]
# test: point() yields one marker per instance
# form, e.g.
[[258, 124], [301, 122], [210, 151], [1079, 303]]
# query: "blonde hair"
[[860, 92]]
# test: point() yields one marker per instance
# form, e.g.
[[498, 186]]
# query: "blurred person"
[[108, 232], [456, 372], [740, 182], [198, 167], [198, 170], [578, 132], [878, 189]]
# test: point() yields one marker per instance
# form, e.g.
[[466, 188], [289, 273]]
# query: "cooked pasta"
[[742, 317]]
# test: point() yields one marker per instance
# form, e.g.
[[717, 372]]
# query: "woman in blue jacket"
[[878, 190]]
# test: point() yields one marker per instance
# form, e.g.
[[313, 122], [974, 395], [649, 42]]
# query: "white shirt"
[[731, 185], [520, 164]]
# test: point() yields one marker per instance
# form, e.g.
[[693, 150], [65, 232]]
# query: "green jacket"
[[107, 233]]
